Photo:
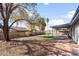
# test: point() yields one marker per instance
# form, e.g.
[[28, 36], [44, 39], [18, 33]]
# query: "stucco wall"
[[75, 32]]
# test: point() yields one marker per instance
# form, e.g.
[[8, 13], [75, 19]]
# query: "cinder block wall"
[[13, 34]]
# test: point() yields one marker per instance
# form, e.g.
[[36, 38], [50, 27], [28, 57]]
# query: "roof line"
[[76, 12], [71, 22]]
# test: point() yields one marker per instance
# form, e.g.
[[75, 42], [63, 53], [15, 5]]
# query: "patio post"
[[52, 31]]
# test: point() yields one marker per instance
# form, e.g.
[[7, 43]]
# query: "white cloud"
[[57, 22], [54, 22], [46, 3], [69, 14]]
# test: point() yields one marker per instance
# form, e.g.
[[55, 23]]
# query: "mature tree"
[[41, 23], [37, 20], [6, 10], [32, 20]]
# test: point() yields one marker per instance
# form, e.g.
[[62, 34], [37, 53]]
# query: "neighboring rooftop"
[[20, 29]]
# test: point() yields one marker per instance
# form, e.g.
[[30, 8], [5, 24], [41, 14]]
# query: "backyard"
[[39, 46], [24, 31]]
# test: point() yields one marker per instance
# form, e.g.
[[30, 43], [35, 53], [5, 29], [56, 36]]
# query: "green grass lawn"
[[45, 36]]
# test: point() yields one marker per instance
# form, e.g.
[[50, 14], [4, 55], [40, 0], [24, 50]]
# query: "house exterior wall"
[[55, 32], [75, 32], [59, 32], [73, 27]]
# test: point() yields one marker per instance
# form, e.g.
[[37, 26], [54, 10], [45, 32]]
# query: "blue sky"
[[58, 13]]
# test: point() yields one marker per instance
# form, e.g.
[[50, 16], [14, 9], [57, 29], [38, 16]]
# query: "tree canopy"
[[11, 13]]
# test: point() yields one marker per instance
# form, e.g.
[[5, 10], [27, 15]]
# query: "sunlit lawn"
[[46, 36]]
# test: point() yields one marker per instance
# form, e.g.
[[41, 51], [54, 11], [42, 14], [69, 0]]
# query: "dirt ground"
[[34, 46]]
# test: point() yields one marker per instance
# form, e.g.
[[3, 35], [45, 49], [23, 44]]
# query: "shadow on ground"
[[39, 47]]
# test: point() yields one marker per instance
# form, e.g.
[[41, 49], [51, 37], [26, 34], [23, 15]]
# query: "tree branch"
[[13, 8], [6, 9], [1, 26], [19, 20], [15, 22], [2, 11]]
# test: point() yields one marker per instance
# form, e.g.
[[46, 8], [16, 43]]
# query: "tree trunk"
[[6, 35], [6, 31], [42, 29]]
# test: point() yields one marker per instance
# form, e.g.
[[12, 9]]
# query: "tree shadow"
[[35, 46], [62, 39], [27, 43]]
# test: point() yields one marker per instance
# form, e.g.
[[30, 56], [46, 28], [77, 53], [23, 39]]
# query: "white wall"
[[75, 32]]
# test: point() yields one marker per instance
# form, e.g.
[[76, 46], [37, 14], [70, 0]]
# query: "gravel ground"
[[34, 46]]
